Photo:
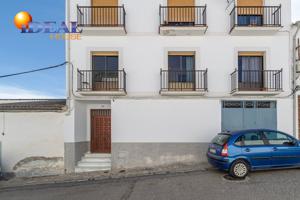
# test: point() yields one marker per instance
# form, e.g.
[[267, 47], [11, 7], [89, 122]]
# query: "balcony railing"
[[96, 80], [98, 16], [256, 80], [182, 15], [253, 16], [194, 80]]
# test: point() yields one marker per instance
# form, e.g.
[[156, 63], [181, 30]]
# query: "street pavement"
[[198, 185]]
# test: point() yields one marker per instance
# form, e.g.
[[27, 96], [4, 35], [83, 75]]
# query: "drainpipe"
[[68, 57], [294, 84]]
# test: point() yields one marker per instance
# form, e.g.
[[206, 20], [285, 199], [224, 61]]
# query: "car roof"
[[245, 131]]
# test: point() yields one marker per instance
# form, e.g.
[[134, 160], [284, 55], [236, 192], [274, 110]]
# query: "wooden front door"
[[105, 12], [100, 131]]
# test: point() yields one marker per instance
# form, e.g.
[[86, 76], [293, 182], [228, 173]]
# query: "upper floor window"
[[250, 68], [106, 61], [105, 71], [104, 75], [182, 68], [181, 12], [250, 12], [102, 13]]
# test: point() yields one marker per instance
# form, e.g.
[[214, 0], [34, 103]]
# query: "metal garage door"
[[238, 115]]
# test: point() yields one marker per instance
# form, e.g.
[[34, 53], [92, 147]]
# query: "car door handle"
[[247, 150], [274, 149]]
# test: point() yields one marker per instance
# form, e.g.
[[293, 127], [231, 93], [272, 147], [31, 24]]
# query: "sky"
[[21, 52]]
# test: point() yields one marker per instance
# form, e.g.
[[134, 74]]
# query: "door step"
[[97, 155], [94, 162], [91, 169]]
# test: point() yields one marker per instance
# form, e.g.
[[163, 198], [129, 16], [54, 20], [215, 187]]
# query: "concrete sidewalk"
[[15, 183]]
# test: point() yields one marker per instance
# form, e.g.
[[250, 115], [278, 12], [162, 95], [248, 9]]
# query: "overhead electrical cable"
[[33, 71]]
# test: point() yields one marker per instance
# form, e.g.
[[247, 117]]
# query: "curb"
[[98, 179]]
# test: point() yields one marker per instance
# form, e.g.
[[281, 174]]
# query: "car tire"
[[239, 169]]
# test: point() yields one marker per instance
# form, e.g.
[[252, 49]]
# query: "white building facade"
[[152, 82]]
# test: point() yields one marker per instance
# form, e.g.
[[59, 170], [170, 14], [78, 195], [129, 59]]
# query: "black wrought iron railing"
[[98, 16], [182, 15], [256, 80], [193, 80], [267, 16], [96, 80]]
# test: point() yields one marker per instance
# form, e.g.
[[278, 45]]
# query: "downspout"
[[294, 85], [68, 55]]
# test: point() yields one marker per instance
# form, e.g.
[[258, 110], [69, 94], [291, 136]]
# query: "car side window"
[[253, 138], [240, 141], [276, 138]]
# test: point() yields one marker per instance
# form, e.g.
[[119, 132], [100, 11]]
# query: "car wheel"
[[239, 169]]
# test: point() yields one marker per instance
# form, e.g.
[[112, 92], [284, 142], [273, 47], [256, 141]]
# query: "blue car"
[[240, 152]]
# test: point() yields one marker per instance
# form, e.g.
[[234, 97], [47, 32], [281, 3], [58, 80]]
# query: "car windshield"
[[221, 139]]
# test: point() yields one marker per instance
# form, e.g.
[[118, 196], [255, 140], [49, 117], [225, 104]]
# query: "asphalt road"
[[206, 185]]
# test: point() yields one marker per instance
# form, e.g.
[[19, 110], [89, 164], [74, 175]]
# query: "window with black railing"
[[182, 15], [183, 80], [256, 80], [267, 16], [101, 16], [101, 80]]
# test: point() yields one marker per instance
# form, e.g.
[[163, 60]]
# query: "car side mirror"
[[291, 143], [294, 143]]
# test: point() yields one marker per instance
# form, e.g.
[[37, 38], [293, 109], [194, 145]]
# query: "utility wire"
[[35, 70]]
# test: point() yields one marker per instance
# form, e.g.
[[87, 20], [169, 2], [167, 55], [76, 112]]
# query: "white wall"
[[143, 16], [285, 115], [143, 52], [30, 135], [177, 120], [143, 57], [145, 116]]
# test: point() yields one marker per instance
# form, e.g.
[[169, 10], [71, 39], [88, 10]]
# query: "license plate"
[[212, 151]]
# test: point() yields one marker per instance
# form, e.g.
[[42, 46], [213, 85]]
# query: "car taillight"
[[224, 152]]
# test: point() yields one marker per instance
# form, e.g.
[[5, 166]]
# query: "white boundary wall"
[[29, 135]]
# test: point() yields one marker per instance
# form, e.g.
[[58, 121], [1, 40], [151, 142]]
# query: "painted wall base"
[[39, 166], [73, 153], [136, 155]]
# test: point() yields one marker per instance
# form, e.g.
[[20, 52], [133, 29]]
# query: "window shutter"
[[250, 3], [105, 53], [252, 53], [181, 53], [104, 2], [181, 14], [104, 16], [181, 2]]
